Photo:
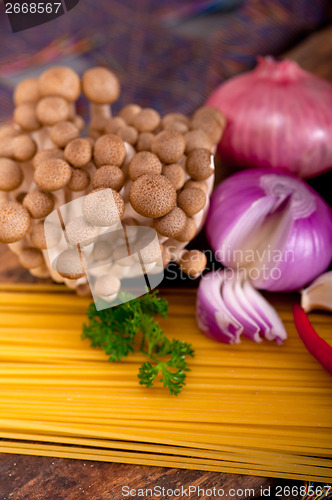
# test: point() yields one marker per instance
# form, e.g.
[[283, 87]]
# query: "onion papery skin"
[[278, 116], [277, 218]]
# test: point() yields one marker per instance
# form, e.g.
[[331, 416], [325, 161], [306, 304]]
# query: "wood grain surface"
[[36, 478]]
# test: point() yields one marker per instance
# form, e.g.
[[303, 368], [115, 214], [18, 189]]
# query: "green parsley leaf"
[[115, 330]]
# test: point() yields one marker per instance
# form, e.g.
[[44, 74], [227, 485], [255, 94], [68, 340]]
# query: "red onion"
[[271, 225], [228, 306], [278, 116]]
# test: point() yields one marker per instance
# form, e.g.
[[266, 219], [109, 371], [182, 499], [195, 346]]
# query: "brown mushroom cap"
[[52, 234], [47, 154], [78, 152], [171, 224], [147, 120], [197, 139], [178, 126], [6, 149], [51, 110], [113, 125], [193, 262], [100, 86], [69, 264], [208, 112], [128, 134], [94, 134], [41, 271], [11, 175], [83, 290], [174, 117], [109, 150], [191, 200], [144, 141], [102, 250], [8, 131], [27, 91], [210, 126], [79, 231], [189, 231], [146, 250], [107, 285], [104, 207], [175, 174], [79, 181], [24, 148], [142, 163], [91, 139], [39, 204], [14, 222], [63, 132], [129, 112], [152, 195], [26, 117], [108, 176], [168, 145], [196, 184], [31, 258], [60, 81], [199, 164], [52, 174], [78, 122], [122, 256]]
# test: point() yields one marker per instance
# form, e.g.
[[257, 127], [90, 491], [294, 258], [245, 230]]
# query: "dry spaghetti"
[[261, 410]]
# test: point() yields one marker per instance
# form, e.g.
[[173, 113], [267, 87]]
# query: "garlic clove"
[[319, 294]]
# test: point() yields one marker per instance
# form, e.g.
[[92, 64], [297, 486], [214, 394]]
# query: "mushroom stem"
[[43, 139], [4, 196], [99, 114], [72, 110], [18, 246]]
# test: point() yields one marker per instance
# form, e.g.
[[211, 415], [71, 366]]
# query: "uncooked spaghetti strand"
[[159, 460]]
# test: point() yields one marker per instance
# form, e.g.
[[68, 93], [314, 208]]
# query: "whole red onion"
[[278, 116]]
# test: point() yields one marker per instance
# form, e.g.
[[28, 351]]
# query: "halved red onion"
[[273, 226], [250, 327], [228, 306], [213, 317]]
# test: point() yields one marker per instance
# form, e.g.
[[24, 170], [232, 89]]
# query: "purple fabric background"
[[160, 60]]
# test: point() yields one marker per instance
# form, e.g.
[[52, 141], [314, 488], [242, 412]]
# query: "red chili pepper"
[[317, 346]]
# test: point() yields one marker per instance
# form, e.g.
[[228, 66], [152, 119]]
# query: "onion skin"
[[278, 116], [239, 208]]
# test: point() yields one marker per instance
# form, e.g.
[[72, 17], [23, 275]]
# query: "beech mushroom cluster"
[[137, 169]]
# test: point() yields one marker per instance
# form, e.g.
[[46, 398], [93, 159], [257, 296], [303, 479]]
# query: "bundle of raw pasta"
[[244, 410]]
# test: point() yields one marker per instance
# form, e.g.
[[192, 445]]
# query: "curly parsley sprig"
[[115, 330]]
